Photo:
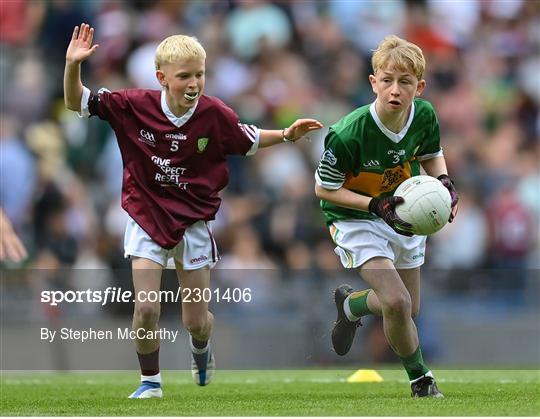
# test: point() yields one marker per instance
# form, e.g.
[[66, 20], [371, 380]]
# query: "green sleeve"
[[335, 163], [431, 145]]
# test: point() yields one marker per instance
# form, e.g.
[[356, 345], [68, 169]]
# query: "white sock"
[[198, 350], [347, 310], [152, 378], [427, 374]]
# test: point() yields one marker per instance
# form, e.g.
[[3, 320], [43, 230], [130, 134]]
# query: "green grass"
[[270, 393]]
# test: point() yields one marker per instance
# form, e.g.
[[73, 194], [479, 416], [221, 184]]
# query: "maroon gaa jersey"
[[174, 167]]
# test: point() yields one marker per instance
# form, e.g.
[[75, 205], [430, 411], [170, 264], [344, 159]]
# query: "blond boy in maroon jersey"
[[174, 145]]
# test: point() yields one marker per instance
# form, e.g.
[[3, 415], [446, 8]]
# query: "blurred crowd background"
[[275, 61]]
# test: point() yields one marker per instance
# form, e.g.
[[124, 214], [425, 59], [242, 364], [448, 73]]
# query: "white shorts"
[[360, 240], [196, 250]]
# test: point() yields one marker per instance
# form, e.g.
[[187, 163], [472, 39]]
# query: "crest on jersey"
[[201, 144]]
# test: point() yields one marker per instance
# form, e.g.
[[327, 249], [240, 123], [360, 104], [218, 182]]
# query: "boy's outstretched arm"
[[297, 130], [79, 49]]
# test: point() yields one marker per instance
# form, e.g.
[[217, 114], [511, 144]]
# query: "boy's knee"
[[415, 310], [196, 326], [147, 313], [398, 305]]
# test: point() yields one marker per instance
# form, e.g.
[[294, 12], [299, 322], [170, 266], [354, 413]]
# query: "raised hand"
[[299, 128], [80, 47]]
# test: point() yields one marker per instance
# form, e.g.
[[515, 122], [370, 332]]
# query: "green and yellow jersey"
[[364, 156]]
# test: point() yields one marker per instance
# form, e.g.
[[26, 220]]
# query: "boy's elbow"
[[67, 103], [319, 191], [72, 102], [72, 106]]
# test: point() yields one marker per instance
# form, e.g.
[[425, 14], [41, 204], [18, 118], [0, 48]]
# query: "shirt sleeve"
[[431, 146], [335, 162], [105, 104], [85, 113], [238, 138]]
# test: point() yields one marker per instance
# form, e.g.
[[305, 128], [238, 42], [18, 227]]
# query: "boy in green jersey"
[[368, 153]]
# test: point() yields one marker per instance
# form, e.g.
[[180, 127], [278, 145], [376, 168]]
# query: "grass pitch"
[[270, 393]]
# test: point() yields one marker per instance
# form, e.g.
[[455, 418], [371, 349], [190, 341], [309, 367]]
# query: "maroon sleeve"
[[237, 138], [108, 105]]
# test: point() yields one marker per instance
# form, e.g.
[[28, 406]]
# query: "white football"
[[427, 204]]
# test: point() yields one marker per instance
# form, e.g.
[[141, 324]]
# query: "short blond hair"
[[178, 48], [404, 55]]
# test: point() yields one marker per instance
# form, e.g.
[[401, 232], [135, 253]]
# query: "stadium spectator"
[[11, 246], [17, 172], [254, 25]]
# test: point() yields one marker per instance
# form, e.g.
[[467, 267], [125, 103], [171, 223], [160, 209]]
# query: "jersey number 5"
[[174, 146]]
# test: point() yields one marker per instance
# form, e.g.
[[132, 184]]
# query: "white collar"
[[395, 137], [178, 121]]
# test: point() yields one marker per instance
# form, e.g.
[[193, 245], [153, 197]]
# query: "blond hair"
[[402, 54], [178, 48]]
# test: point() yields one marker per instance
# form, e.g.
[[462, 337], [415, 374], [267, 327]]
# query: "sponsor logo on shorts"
[[201, 258], [418, 256]]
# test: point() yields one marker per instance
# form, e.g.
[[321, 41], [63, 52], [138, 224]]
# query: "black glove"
[[386, 209], [448, 184]]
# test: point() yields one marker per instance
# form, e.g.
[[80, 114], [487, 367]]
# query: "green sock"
[[358, 303], [414, 365]]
